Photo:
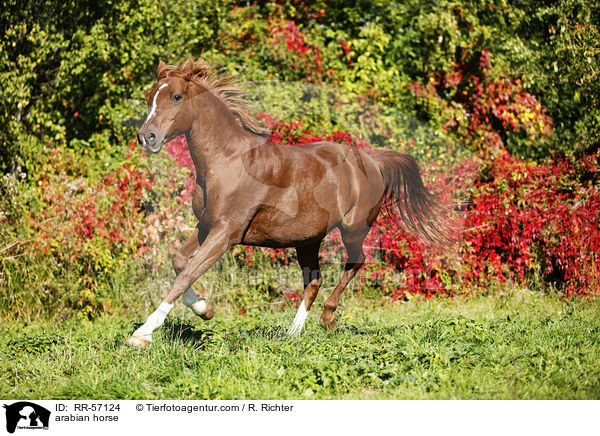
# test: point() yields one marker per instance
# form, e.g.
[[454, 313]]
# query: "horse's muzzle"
[[150, 143]]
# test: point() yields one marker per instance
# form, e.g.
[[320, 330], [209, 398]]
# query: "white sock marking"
[[153, 109], [154, 321], [299, 321], [191, 300]]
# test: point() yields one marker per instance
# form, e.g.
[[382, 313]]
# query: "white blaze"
[[153, 108]]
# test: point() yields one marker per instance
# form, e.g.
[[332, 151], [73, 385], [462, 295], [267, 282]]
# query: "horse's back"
[[310, 188]]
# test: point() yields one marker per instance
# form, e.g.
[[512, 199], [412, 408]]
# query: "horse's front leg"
[[198, 305], [217, 242]]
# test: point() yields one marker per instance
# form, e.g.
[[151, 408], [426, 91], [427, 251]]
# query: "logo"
[[26, 415]]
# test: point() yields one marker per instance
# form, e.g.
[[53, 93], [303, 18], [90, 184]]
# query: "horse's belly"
[[272, 227]]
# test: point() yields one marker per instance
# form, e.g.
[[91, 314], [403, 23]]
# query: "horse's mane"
[[224, 88]]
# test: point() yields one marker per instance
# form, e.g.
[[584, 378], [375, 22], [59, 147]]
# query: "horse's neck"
[[212, 143]]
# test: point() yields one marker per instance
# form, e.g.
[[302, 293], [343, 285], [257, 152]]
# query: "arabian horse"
[[252, 191]]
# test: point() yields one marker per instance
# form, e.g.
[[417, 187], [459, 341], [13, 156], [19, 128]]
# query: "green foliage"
[[74, 75], [69, 72], [562, 67], [551, 47]]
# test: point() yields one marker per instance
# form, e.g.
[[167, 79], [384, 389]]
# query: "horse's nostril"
[[152, 137]]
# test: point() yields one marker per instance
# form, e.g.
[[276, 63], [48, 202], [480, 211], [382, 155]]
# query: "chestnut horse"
[[252, 191]]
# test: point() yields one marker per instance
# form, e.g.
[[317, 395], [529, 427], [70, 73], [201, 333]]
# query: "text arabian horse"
[[252, 191]]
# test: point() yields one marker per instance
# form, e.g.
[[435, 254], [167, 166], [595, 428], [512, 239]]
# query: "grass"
[[522, 345]]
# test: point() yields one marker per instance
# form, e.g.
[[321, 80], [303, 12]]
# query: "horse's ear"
[[161, 66]]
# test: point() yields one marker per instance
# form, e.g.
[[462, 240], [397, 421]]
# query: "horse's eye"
[[177, 97]]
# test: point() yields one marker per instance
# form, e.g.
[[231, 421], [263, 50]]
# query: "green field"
[[521, 345]]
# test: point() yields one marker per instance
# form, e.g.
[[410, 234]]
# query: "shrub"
[[534, 219], [79, 209]]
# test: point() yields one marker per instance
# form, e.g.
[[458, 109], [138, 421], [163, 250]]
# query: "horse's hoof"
[[328, 322], [210, 312], [137, 342], [203, 309]]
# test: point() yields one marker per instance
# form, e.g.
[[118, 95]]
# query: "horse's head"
[[169, 113]]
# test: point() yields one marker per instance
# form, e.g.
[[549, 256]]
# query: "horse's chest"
[[198, 202]]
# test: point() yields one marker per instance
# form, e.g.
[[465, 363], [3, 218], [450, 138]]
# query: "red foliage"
[[295, 134], [536, 218], [290, 46], [80, 223], [179, 151], [294, 296], [484, 110], [347, 51]]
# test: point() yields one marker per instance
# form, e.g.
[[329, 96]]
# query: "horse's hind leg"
[[308, 258], [199, 306], [356, 258]]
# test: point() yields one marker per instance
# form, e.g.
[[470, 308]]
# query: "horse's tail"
[[407, 198]]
